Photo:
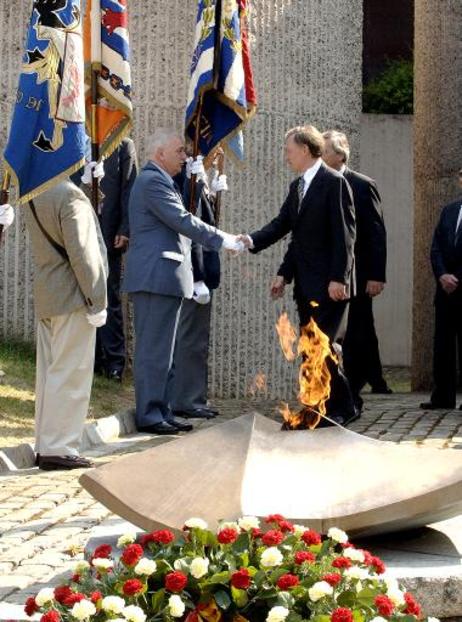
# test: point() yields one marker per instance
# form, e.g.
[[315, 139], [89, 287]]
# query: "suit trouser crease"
[[156, 321], [110, 338], [65, 359], [331, 318], [188, 384], [448, 324]]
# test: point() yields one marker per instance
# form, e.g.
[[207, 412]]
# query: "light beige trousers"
[[65, 359]]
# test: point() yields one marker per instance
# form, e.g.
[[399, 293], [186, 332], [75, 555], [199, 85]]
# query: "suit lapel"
[[312, 189], [452, 222]]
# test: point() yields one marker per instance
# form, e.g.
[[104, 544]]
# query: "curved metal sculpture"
[[248, 466]]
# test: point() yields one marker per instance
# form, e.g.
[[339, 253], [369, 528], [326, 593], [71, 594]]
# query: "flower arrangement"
[[242, 572]]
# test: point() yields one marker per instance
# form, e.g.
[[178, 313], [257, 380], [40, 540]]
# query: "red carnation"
[[132, 587], [284, 525], [241, 579], [62, 592], [304, 556], [175, 581], [132, 554], [102, 551], [256, 533], [74, 597], [50, 616], [31, 606], [412, 607], [378, 565], [341, 562], [342, 614], [311, 537], [332, 578], [227, 536], [274, 518], [95, 597], [384, 605], [75, 578], [272, 537], [163, 536], [287, 581]]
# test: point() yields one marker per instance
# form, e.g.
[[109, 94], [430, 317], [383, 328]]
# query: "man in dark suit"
[[158, 275], [361, 357], [446, 258], [319, 214], [120, 171]]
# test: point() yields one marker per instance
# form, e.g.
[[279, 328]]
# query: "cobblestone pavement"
[[45, 518]]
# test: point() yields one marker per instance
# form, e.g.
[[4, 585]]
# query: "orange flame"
[[314, 376], [258, 384]]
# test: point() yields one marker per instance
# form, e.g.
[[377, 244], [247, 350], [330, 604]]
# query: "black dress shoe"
[[159, 428], [37, 459], [63, 463], [435, 406], [115, 375], [180, 425], [197, 413]]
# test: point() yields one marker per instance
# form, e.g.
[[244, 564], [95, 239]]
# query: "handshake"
[[237, 244]]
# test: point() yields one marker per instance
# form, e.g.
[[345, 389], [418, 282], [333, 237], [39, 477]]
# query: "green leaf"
[[157, 601], [366, 596], [285, 600], [239, 597], [320, 618], [324, 549], [241, 545], [259, 577], [347, 599], [359, 617], [220, 577], [222, 599], [277, 574], [294, 617]]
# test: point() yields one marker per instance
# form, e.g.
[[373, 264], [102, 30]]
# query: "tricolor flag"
[[107, 50], [221, 90], [47, 134]]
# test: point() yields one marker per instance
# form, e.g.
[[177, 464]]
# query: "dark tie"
[[458, 235], [301, 191]]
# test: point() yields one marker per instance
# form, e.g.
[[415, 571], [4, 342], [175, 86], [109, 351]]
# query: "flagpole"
[[192, 185], [220, 169], [94, 137], [5, 196]]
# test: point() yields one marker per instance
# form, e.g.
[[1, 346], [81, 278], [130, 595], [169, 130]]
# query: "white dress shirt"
[[342, 169], [459, 218], [309, 174]]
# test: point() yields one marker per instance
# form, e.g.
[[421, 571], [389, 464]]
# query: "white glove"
[[195, 167], [6, 215], [230, 243], [97, 319], [201, 293], [98, 172], [219, 184]]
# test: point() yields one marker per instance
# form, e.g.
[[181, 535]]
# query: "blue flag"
[[221, 90], [47, 134]]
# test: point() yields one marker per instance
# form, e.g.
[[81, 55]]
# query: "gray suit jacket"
[[61, 286], [161, 229]]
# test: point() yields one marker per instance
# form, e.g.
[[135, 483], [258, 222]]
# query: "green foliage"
[[392, 92]]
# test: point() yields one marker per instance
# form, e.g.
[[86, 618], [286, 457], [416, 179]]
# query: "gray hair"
[[339, 143], [160, 137]]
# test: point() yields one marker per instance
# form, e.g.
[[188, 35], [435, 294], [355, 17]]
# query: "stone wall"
[[307, 62]]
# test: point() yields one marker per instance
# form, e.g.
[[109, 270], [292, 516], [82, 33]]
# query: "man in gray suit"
[[70, 303], [158, 274]]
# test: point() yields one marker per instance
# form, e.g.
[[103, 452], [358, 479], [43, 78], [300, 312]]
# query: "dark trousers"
[[361, 356], [110, 339], [330, 316], [448, 328]]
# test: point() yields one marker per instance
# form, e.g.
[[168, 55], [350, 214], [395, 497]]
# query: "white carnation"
[[270, 557], [132, 613], [176, 606], [430, 619], [199, 567], [337, 535], [247, 523], [83, 610], [113, 604], [45, 596], [277, 614], [145, 567], [380, 619], [299, 530], [81, 566], [319, 590], [126, 538], [354, 554], [197, 523], [397, 597], [229, 525], [102, 564], [356, 573]]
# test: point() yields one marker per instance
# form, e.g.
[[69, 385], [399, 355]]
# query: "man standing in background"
[[361, 357]]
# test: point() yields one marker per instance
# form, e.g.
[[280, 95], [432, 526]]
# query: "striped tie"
[[301, 191]]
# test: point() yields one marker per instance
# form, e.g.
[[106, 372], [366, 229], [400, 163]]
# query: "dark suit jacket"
[[322, 236], [446, 257], [371, 237], [205, 262]]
